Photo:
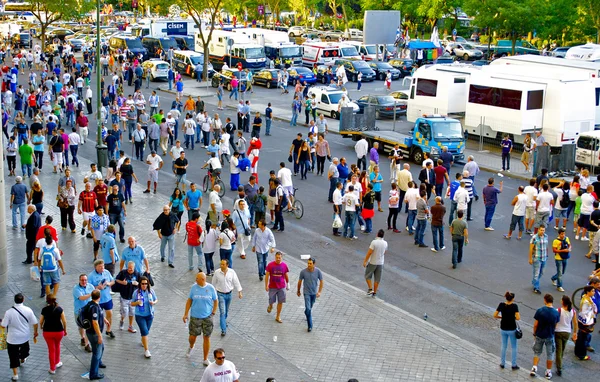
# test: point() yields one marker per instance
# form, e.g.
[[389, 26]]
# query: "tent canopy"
[[416, 44]]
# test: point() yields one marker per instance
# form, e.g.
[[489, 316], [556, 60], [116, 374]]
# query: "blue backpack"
[[48, 260]]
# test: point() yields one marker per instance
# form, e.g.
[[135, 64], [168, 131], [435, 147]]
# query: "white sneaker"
[[585, 238], [59, 365], [147, 354], [121, 325], [554, 282], [533, 371], [206, 362], [433, 250], [548, 374], [444, 247], [51, 371], [488, 228], [362, 227], [576, 237], [189, 352], [560, 289], [15, 377]]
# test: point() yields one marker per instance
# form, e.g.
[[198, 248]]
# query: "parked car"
[[327, 100], [266, 77], [159, 69], [301, 73], [22, 40], [333, 35], [385, 105], [184, 42], [321, 70], [185, 61], [225, 77], [296, 31], [451, 39], [381, 68], [59, 33], [445, 59], [465, 51], [404, 65], [559, 52], [352, 68], [399, 95]]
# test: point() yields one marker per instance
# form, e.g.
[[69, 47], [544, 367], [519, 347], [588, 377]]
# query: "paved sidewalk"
[[354, 336]]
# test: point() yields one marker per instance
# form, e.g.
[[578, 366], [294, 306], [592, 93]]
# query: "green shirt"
[[26, 154], [458, 227], [578, 205]]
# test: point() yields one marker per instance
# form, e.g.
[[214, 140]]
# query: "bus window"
[[426, 87], [535, 99]]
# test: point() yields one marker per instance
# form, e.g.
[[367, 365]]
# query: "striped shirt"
[[88, 201], [540, 251]]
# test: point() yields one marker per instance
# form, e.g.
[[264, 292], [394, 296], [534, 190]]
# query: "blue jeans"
[[144, 323], [457, 249], [128, 183], [438, 236], [309, 301], [349, 223], [304, 167], [359, 217], [251, 210], [206, 138], [208, 260], [410, 220], [506, 334], [472, 177], [97, 351], [234, 93], [21, 208], [332, 184], [261, 259], [170, 241], [74, 149], [561, 267], [71, 118], [538, 271], [489, 214], [294, 119], [118, 218], [368, 225], [224, 301], [170, 84], [420, 234], [188, 139], [296, 165], [26, 169], [268, 126], [198, 132], [198, 250], [225, 254], [453, 207]]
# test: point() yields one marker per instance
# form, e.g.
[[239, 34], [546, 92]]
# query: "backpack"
[[564, 245], [48, 260], [259, 204], [565, 200], [83, 318]]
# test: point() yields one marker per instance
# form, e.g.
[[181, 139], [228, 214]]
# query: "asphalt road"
[[415, 279]]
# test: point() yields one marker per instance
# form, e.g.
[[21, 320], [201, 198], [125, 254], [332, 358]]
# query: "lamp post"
[[101, 149], [3, 186]]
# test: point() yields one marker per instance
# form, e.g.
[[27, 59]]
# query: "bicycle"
[[208, 180], [297, 206]]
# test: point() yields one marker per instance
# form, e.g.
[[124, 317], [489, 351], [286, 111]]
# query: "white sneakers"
[[189, 352], [206, 362], [147, 354]]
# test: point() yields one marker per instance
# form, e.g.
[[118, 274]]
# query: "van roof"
[[593, 133], [188, 53]]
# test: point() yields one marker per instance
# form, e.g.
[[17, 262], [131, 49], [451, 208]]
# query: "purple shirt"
[[506, 146], [490, 195], [374, 155], [277, 275]]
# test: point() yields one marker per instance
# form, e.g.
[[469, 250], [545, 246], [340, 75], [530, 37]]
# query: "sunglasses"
[[220, 358], [144, 283]]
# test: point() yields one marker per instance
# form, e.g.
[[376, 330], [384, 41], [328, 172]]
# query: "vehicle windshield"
[[588, 143], [349, 51], [447, 130], [371, 49], [189, 42], [197, 60], [134, 43], [335, 97], [384, 65], [391, 47], [255, 52], [360, 65], [382, 100], [468, 46], [168, 43], [162, 66], [293, 51]]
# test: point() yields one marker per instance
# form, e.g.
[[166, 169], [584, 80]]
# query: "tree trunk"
[[205, 63], [43, 36], [345, 17]]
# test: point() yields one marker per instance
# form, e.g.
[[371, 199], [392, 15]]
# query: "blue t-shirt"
[[96, 279], [506, 146], [213, 149], [79, 291], [38, 142], [107, 242], [177, 204], [137, 255], [343, 170], [179, 86], [453, 187], [376, 186], [202, 300], [547, 319], [146, 309], [194, 199], [490, 194], [111, 142], [50, 126]]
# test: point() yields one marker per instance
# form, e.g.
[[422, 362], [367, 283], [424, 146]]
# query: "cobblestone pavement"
[[354, 336]]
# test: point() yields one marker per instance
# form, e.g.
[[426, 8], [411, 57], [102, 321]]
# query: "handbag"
[[3, 343], [62, 203], [247, 231], [290, 159], [518, 332]]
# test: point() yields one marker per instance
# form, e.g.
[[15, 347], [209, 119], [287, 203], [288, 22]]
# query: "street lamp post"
[[101, 149]]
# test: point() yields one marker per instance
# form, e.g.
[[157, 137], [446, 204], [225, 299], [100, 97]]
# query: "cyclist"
[[215, 168]]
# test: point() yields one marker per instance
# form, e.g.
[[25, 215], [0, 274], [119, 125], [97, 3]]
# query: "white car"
[[159, 69], [464, 50], [327, 100], [296, 31]]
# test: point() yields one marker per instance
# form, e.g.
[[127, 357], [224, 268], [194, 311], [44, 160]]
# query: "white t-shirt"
[[213, 198], [285, 175], [19, 330], [587, 204], [520, 205], [337, 197], [559, 195], [190, 127], [565, 321], [233, 166], [154, 162], [74, 139], [545, 198], [223, 373], [532, 194], [175, 151], [350, 201], [357, 189], [214, 163], [228, 237], [412, 195], [224, 144], [461, 197], [378, 246]]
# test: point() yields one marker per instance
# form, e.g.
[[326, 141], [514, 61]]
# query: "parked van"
[[320, 53], [133, 44], [588, 149], [153, 44], [184, 61], [587, 52]]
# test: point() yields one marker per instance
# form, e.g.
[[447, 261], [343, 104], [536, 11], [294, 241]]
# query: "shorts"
[[108, 305], [57, 159], [199, 326], [271, 202], [96, 245], [144, 323], [591, 242], [538, 346], [542, 218], [288, 190], [560, 213], [276, 295], [216, 172], [583, 221], [378, 196], [529, 213], [50, 278], [123, 119], [153, 176], [373, 270], [575, 218], [180, 178], [126, 309], [525, 157], [110, 268], [516, 220], [86, 217]]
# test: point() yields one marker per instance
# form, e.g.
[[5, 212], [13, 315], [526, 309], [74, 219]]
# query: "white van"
[[588, 149], [320, 53], [587, 52]]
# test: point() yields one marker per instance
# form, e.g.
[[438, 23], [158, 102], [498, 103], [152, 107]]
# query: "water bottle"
[[141, 299]]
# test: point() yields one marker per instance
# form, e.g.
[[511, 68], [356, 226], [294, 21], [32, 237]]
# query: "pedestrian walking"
[[538, 254], [530, 208], [127, 281], [333, 177], [373, 263], [209, 239], [508, 314], [18, 321], [490, 200], [103, 280], [241, 219], [350, 201], [276, 284], [460, 237], [95, 314], [201, 306], [166, 227], [438, 210], [221, 370], [394, 208], [545, 204], [225, 281], [313, 286], [227, 238], [507, 147], [34, 222], [54, 327], [428, 179], [545, 320], [473, 169], [566, 326], [561, 246], [518, 216], [67, 199], [19, 198], [48, 259], [82, 294]]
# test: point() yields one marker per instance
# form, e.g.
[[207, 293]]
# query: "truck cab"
[[431, 133]]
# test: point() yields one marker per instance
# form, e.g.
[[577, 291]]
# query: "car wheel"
[[214, 84], [466, 57], [381, 77], [417, 156], [268, 84], [335, 115]]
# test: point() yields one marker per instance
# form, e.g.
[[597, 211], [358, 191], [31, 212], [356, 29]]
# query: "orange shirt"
[[189, 105]]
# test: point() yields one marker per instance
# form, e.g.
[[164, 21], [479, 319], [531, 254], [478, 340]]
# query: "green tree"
[[591, 8], [48, 12], [434, 10], [195, 9]]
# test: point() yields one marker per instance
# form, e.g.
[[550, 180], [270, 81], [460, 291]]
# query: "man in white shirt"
[[74, 141], [18, 321], [518, 216], [221, 370], [285, 176], [225, 281], [545, 203], [410, 198], [337, 205], [93, 174], [214, 167], [189, 129], [587, 207], [461, 197], [362, 148], [350, 201], [215, 204], [155, 163], [373, 263], [531, 193]]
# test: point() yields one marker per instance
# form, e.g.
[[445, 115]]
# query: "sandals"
[[242, 256], [269, 308], [281, 322]]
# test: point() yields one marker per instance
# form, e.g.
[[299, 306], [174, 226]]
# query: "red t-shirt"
[[440, 176], [194, 230], [88, 200], [277, 275], [101, 191], [40, 233], [32, 100]]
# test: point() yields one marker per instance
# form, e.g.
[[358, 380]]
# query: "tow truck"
[[429, 134]]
